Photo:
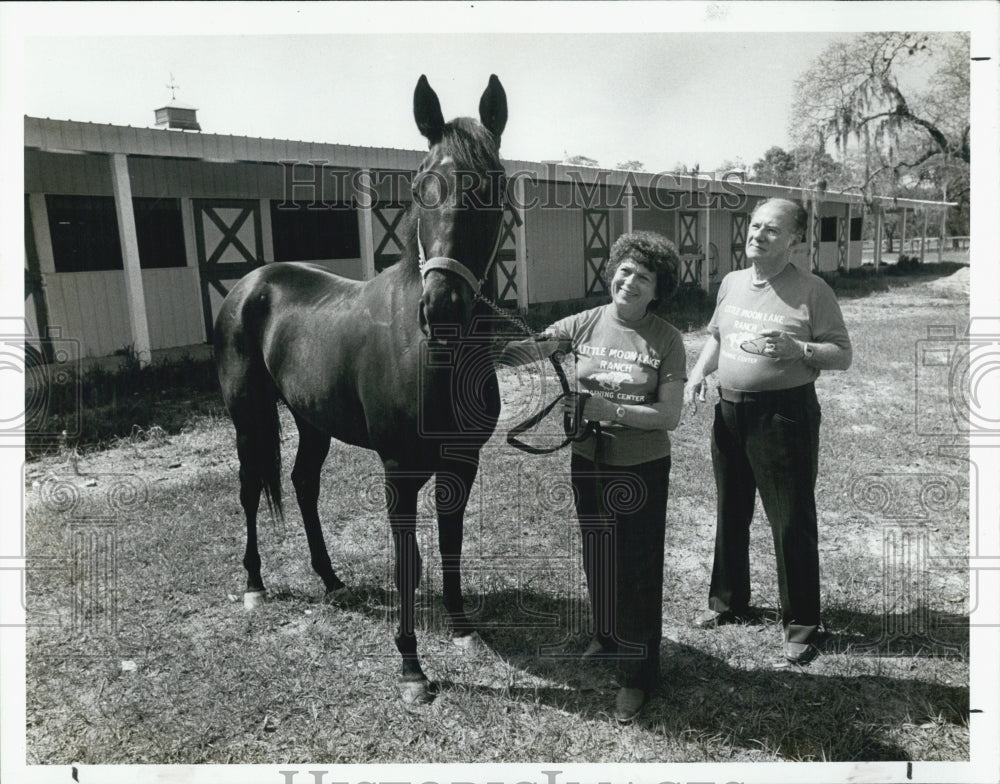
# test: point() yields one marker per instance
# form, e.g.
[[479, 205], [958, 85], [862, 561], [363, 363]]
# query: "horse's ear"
[[427, 111], [493, 107]]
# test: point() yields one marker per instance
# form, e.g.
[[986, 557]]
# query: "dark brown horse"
[[390, 364]]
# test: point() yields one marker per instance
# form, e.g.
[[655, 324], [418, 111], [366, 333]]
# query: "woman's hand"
[[595, 408]]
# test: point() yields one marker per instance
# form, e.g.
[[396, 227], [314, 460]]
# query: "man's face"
[[771, 233]]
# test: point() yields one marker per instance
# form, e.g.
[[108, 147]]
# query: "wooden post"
[[847, 240], [266, 232], [191, 253], [628, 208], [365, 230], [706, 269], [521, 245], [902, 233], [923, 238], [878, 235], [134, 295], [944, 222], [814, 234]]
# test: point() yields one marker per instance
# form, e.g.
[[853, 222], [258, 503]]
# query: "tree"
[[732, 165], [580, 160], [631, 165], [864, 95], [777, 167]]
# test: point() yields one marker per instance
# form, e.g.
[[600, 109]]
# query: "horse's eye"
[[427, 190]]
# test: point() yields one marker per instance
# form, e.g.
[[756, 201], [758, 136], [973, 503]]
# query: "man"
[[774, 329]]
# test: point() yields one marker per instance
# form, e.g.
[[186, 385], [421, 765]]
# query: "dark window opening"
[[84, 231], [159, 232], [304, 234], [828, 229], [856, 229]]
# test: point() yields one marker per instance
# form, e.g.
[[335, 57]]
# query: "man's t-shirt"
[[793, 301], [625, 363]]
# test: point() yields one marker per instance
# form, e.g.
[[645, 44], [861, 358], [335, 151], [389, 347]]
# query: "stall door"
[[596, 249], [389, 245], [739, 245], [229, 243], [501, 285], [689, 249]]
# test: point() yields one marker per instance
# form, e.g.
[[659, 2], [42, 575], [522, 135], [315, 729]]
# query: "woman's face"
[[633, 286]]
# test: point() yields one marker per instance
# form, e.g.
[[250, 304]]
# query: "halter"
[[454, 265]]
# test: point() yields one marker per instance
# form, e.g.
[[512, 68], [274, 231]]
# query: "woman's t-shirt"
[[625, 363]]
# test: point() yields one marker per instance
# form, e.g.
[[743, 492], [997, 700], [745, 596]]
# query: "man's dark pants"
[[623, 537], [768, 442]]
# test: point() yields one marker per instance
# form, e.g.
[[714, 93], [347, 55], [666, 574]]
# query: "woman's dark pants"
[[623, 534]]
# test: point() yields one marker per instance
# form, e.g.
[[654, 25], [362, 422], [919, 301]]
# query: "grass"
[[304, 680]]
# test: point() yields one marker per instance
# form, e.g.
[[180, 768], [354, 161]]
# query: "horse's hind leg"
[[401, 490], [251, 487], [313, 449]]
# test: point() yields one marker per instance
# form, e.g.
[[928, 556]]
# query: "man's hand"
[[694, 391], [781, 345]]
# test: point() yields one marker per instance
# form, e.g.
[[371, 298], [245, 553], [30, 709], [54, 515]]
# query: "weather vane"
[[172, 87]]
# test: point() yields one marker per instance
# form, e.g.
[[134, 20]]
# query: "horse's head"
[[458, 196]]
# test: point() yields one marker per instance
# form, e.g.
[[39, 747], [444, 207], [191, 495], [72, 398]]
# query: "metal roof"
[[70, 136]]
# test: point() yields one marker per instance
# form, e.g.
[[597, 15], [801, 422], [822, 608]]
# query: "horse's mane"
[[473, 148], [471, 145]]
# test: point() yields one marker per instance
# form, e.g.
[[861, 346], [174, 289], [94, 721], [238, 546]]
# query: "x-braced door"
[[596, 249], [739, 246], [229, 244], [689, 248], [501, 285], [389, 245]]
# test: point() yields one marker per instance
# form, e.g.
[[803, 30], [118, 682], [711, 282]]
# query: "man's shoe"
[[597, 652], [800, 652], [710, 619], [628, 704]]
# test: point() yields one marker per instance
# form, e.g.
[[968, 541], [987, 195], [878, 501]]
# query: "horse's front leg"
[[453, 483], [401, 490]]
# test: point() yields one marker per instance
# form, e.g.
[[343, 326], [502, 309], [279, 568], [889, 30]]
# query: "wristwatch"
[[807, 351], [620, 413]]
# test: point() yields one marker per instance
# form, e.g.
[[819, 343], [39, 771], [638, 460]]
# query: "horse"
[[361, 361]]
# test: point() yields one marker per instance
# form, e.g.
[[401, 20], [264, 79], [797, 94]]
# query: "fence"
[[912, 244]]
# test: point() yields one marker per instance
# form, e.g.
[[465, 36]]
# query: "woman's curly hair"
[[654, 252]]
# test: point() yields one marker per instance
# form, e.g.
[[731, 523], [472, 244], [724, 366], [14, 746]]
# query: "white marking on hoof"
[[415, 692], [471, 644], [252, 599]]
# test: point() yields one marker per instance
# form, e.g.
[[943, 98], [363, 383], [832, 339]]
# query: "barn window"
[[856, 229], [304, 234], [828, 229], [84, 233], [160, 233]]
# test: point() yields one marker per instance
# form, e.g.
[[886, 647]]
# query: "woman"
[[631, 362]]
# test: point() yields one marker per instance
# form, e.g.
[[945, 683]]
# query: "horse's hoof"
[[471, 644], [337, 595], [252, 600], [416, 692]]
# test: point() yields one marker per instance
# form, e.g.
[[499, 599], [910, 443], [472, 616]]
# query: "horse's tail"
[[252, 399], [265, 431]]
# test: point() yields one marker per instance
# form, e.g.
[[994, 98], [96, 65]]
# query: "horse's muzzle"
[[444, 311]]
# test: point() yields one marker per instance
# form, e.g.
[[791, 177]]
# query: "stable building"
[[133, 236]]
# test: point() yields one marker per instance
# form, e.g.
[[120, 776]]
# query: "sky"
[[658, 98]]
